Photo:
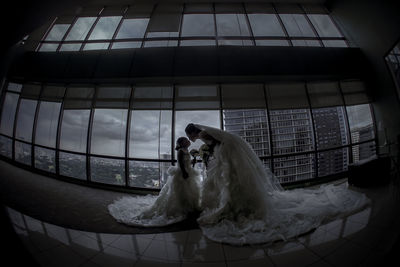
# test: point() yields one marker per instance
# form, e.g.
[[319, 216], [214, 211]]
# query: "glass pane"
[[236, 42], [206, 117], [197, 43], [26, 117], [251, 125], [150, 134], [8, 114], [272, 43], [243, 96], [330, 127], [361, 123], [57, 32], [45, 159], [48, 47], [96, 46], [291, 131], [23, 153], [198, 25], [122, 45], [265, 25], [232, 25], [324, 26], [294, 168], [147, 174], [364, 151], [311, 43], [80, 28], [166, 43], [334, 43], [80, 92], [31, 91], [53, 93], [132, 28], [324, 94], [15, 87], [108, 133], [72, 165], [46, 129], [113, 96], [297, 25], [105, 28], [107, 171], [162, 34], [152, 98], [5, 146], [287, 95], [197, 97], [74, 129], [333, 161], [70, 47]]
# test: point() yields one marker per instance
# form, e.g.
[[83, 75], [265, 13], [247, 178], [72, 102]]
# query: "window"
[[324, 25], [23, 153], [198, 25], [80, 29], [25, 120], [147, 174], [232, 25], [108, 132], [74, 129], [57, 32], [45, 159], [72, 165], [297, 25], [108, 171], [46, 129], [8, 114], [105, 28], [132, 28], [265, 25]]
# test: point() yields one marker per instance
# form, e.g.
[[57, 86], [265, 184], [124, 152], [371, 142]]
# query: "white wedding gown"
[[177, 198], [241, 201]]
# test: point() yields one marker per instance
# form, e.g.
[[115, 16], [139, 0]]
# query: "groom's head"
[[192, 132]]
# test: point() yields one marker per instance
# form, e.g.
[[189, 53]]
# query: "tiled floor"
[[362, 239]]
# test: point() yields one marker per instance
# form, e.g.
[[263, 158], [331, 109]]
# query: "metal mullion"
[[34, 126], [338, 28], [15, 127], [282, 25], [147, 28], [249, 25], [181, 23], [117, 29], [371, 108], [45, 34], [348, 132], [313, 131], [108, 156], [221, 113], [60, 117], [66, 33], [311, 25], [127, 138], [72, 152], [269, 129], [89, 135], [215, 25], [173, 124], [91, 30], [2, 100]]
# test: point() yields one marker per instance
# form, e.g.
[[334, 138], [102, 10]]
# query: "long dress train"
[[177, 198]]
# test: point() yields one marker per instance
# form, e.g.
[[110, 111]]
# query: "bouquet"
[[204, 153]]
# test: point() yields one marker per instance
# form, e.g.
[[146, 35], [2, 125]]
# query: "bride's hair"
[[191, 128], [179, 142]]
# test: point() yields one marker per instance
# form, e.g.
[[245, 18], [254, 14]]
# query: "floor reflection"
[[362, 238]]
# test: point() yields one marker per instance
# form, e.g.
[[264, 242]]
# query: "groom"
[[194, 133]]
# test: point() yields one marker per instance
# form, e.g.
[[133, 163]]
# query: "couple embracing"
[[239, 200]]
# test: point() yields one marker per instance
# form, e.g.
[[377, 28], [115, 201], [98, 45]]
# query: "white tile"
[[85, 246], [204, 264], [132, 243], [60, 257], [177, 237], [322, 243], [349, 254], [107, 239], [147, 262], [264, 262], [114, 257], [207, 252], [166, 251], [233, 253], [292, 254]]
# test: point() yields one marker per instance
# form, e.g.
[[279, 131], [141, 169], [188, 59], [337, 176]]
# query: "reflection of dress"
[[177, 198], [243, 203]]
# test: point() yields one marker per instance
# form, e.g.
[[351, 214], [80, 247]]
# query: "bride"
[[179, 196], [243, 203]]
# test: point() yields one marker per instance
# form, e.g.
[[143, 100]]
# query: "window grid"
[[216, 38], [311, 155]]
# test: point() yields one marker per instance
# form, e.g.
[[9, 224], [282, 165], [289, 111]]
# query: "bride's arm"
[[209, 140]]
